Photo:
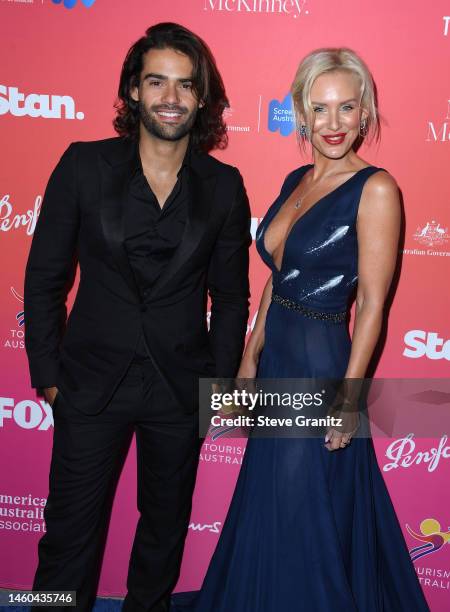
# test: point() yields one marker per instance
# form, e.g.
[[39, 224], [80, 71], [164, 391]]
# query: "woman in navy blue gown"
[[311, 527]]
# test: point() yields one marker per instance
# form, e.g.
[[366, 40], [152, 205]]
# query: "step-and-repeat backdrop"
[[60, 66]]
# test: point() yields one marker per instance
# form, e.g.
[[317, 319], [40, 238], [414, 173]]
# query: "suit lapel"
[[116, 167], [115, 176], [201, 184]]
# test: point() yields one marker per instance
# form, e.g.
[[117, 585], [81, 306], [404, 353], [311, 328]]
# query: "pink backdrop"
[[49, 49]]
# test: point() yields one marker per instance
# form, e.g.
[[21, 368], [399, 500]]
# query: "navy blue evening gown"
[[309, 530]]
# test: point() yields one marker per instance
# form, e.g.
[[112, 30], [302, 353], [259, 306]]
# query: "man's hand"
[[50, 394]]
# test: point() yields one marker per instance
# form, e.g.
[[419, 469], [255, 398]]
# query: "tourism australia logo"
[[294, 8]]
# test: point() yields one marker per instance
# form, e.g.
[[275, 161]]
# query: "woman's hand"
[[248, 368], [341, 435], [345, 410]]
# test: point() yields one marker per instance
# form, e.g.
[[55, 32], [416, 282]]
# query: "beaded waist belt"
[[334, 317]]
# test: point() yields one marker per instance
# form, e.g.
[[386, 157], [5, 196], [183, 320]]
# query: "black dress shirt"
[[152, 232]]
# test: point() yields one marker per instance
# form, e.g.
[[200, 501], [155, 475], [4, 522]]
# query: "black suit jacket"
[[82, 217]]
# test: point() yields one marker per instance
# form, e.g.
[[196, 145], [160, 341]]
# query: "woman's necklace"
[[298, 203]]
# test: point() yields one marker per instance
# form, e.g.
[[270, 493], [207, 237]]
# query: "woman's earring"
[[363, 128], [303, 131]]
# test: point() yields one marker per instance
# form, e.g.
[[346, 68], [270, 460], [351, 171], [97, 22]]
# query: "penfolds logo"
[[403, 453], [10, 220], [294, 8]]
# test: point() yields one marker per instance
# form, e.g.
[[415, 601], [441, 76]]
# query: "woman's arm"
[[378, 228], [249, 363]]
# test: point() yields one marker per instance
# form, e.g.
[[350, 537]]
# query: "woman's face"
[[335, 103]]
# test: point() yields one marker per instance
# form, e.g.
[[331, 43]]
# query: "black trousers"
[[88, 454]]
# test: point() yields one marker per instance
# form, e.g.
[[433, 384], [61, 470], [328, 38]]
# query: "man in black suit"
[[156, 224]]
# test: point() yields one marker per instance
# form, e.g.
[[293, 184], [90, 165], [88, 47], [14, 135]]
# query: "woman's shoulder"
[[380, 182], [380, 194], [296, 174]]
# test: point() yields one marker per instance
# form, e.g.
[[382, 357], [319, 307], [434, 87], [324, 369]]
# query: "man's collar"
[[118, 151], [137, 162]]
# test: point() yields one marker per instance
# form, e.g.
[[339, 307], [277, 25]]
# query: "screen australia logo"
[[281, 116], [284, 7], [47, 106], [71, 3]]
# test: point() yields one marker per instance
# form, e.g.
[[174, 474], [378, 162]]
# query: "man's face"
[[167, 103]]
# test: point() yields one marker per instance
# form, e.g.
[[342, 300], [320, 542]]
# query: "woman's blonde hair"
[[326, 60]]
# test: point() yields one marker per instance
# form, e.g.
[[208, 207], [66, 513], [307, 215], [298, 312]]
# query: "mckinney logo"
[[37, 105], [439, 132], [284, 7], [281, 116], [71, 3]]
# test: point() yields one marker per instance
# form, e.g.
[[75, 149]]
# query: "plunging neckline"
[[319, 201]]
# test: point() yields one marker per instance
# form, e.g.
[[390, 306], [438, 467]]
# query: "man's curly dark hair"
[[209, 130]]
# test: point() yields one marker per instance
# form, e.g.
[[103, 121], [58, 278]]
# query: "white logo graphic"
[[213, 527], [439, 133], [420, 343], [446, 24], [37, 105], [431, 234], [12, 221], [286, 7], [232, 127], [254, 226], [27, 414], [402, 453]]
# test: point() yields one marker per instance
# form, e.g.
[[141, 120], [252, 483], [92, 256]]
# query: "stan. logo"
[[71, 3], [431, 538], [283, 7], [431, 234], [37, 105], [281, 116], [420, 343]]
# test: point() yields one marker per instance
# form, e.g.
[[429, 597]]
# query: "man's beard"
[[166, 131]]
